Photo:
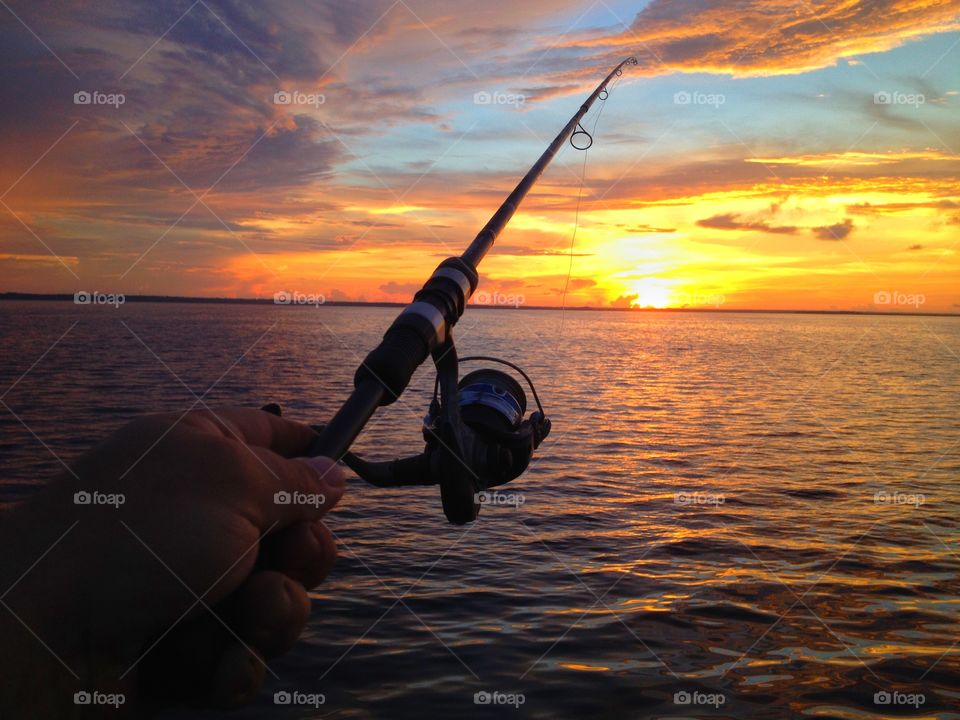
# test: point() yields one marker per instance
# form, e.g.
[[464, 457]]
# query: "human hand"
[[185, 587]]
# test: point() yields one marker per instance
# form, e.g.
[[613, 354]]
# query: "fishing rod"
[[475, 434]]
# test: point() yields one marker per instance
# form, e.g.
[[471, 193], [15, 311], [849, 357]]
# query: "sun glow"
[[651, 293]]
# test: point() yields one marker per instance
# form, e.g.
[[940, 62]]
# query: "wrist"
[[40, 660], [60, 629], [39, 569], [55, 571]]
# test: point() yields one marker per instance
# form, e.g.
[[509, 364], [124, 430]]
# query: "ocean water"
[[754, 512]]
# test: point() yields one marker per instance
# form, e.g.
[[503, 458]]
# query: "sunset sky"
[[776, 155]]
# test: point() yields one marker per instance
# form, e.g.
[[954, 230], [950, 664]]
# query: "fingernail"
[[327, 471], [316, 535]]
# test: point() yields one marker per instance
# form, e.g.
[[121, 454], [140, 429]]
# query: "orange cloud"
[[773, 37]]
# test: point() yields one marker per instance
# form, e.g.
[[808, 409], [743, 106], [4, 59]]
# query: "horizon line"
[[187, 299]]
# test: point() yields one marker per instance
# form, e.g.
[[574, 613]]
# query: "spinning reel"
[[475, 433]]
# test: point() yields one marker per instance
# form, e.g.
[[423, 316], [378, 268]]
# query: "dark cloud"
[[837, 231], [732, 221], [245, 41]]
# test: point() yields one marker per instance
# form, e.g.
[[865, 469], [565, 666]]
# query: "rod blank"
[[488, 235]]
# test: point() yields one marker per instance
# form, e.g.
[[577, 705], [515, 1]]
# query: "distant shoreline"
[[65, 297]]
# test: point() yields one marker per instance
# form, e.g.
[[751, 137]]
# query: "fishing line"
[[583, 173], [573, 237]]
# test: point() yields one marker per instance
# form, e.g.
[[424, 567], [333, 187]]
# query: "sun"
[[651, 293]]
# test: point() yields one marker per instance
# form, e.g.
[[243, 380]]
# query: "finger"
[[238, 677], [181, 666], [201, 658], [305, 552], [269, 611], [290, 491], [256, 427], [201, 661]]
